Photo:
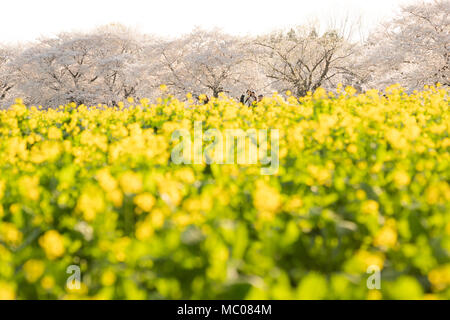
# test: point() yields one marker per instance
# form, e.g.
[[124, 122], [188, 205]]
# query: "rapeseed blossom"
[[53, 244], [363, 181]]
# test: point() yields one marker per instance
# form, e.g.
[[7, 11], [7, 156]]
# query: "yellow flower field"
[[363, 182]]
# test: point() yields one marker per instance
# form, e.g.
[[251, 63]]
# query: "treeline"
[[111, 63]]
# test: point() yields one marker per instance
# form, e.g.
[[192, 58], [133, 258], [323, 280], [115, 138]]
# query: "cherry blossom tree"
[[302, 60], [104, 66], [113, 62], [413, 49], [208, 62], [8, 73], [122, 63]]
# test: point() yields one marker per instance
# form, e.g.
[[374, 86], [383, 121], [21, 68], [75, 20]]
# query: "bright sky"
[[29, 19]]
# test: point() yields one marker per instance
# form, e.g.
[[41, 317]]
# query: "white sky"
[[24, 20]]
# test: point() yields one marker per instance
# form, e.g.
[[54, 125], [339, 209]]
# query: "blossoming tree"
[[413, 49]]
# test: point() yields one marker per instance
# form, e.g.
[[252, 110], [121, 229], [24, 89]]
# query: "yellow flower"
[[293, 204], [352, 148], [2, 188], [144, 101], [321, 175], [108, 278], [386, 236], [157, 218], [396, 139], [401, 178], [53, 244], [144, 230], [33, 270], [362, 260], [163, 88], [131, 182], [106, 180], [120, 247], [360, 194], [371, 259], [29, 187], [320, 93], [440, 277], [370, 207], [437, 193], [145, 201], [7, 291], [19, 109], [376, 168], [10, 234], [47, 282], [116, 197], [170, 192], [15, 208], [350, 90], [54, 133], [90, 203], [185, 175], [374, 295], [266, 198]]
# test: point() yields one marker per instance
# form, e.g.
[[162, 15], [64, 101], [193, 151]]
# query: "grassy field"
[[362, 185]]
